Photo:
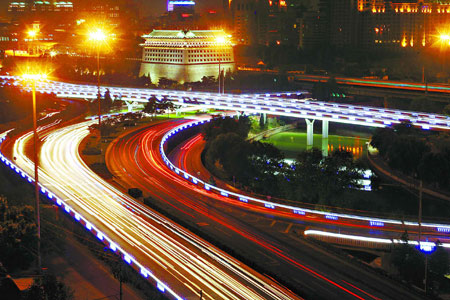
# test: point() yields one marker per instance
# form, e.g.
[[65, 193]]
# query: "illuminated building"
[[386, 24], [182, 6], [186, 56], [265, 22], [250, 19]]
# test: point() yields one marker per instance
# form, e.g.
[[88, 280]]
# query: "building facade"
[[403, 24], [186, 56]]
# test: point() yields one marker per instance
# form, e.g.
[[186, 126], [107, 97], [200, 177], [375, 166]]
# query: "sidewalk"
[[86, 275], [381, 166]]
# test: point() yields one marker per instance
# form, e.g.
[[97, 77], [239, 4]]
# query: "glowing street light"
[[98, 36], [33, 78], [220, 40], [445, 39], [32, 34]]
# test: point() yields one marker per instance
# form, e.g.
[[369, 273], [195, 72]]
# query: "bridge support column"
[[130, 105], [325, 124], [309, 133], [264, 115], [325, 129]]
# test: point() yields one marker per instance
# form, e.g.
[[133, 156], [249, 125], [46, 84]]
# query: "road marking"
[[288, 228], [273, 223]]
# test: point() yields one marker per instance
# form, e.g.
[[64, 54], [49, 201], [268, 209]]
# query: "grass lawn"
[[293, 142]]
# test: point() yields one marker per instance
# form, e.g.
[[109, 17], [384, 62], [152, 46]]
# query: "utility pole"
[[36, 178], [420, 209]]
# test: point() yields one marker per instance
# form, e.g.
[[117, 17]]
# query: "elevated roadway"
[[309, 109]]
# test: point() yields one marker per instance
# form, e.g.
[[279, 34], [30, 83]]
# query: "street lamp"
[[32, 35], [33, 77], [220, 40], [98, 36]]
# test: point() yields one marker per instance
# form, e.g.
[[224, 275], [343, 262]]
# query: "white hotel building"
[[186, 56]]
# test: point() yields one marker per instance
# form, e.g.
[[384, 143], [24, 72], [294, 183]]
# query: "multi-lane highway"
[[190, 156], [271, 104], [181, 264], [135, 161]]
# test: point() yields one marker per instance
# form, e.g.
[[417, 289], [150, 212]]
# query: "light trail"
[[304, 108], [294, 211], [160, 249]]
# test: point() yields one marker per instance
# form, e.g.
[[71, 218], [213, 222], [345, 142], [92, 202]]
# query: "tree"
[[151, 106], [219, 126], [409, 261], [18, 236], [49, 288], [439, 263], [446, 110], [435, 168], [405, 154]]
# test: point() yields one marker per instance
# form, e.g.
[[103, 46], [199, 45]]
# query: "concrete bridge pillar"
[[309, 133], [130, 105], [325, 124], [325, 129]]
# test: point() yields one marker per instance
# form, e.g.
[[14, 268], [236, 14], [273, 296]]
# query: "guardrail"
[[294, 211], [102, 237]]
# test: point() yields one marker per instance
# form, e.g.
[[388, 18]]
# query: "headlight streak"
[[305, 108], [374, 222], [78, 194], [313, 232]]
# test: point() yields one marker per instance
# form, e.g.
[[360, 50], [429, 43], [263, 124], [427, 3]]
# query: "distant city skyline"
[[149, 7]]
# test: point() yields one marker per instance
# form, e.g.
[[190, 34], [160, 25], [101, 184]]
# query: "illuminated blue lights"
[[331, 217], [223, 193], [127, 259], [243, 199], [77, 217], [100, 236], [161, 287], [59, 202], [66, 208], [207, 187], [443, 229], [269, 205], [113, 247], [427, 247], [88, 226], [144, 272], [376, 224], [299, 212]]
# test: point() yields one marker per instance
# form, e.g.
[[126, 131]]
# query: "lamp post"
[[220, 40], [33, 78], [98, 36], [32, 35]]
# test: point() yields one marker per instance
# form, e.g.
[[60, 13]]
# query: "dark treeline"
[[415, 152], [260, 167]]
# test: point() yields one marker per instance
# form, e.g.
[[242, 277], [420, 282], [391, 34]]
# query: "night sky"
[[149, 7], [159, 6]]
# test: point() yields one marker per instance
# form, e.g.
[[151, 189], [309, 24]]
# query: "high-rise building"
[[386, 24], [181, 6], [186, 56], [250, 18]]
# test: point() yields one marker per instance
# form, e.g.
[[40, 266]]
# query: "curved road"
[[183, 263], [135, 161]]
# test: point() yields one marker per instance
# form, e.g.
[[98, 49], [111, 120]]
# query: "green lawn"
[[292, 142]]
